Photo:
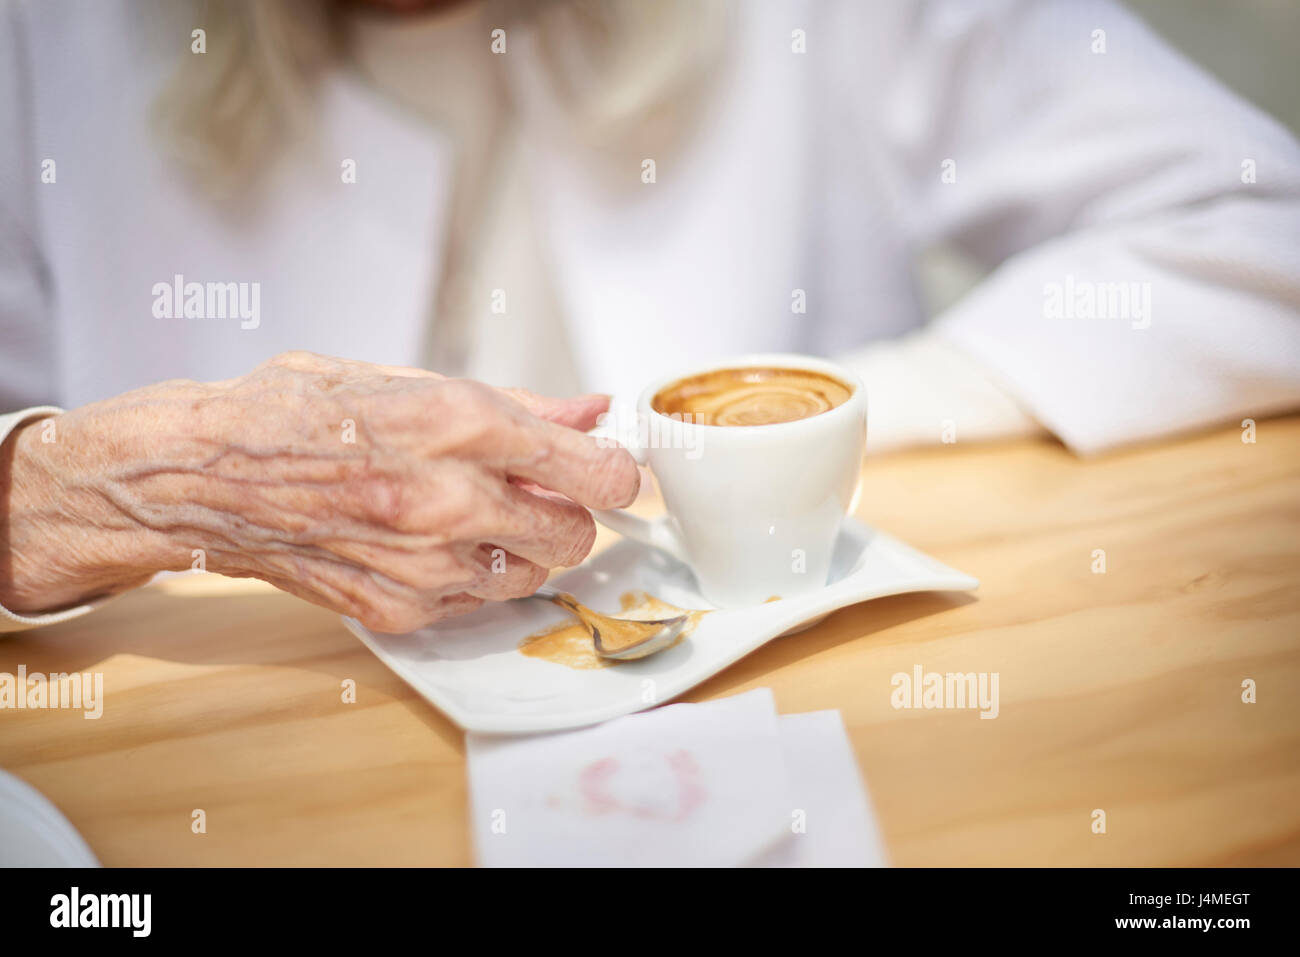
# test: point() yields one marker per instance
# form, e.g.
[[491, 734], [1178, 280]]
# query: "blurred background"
[[1251, 45]]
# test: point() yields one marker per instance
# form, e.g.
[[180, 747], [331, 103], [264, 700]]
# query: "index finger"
[[570, 462]]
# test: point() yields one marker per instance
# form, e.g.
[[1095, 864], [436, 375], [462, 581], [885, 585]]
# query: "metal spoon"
[[622, 639]]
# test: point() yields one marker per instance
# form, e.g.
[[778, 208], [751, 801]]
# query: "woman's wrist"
[[71, 530]]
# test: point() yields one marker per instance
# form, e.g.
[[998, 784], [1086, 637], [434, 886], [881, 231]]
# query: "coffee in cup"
[[751, 395]]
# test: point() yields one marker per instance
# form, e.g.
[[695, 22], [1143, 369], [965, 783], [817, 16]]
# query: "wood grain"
[[1120, 691]]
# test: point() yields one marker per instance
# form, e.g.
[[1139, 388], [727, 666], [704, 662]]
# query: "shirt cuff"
[[9, 620], [922, 390]]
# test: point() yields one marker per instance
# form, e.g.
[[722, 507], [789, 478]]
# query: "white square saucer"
[[471, 667]]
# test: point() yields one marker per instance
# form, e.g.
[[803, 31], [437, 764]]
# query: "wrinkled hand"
[[392, 495]]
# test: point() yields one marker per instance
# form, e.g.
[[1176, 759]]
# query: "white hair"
[[610, 63]]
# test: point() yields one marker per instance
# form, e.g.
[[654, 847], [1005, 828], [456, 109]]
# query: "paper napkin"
[[831, 821], [721, 783], [686, 784]]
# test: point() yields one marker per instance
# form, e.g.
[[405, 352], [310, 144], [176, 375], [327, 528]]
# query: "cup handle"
[[655, 532], [607, 433]]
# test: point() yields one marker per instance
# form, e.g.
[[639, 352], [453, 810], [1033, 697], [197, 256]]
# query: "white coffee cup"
[[754, 510]]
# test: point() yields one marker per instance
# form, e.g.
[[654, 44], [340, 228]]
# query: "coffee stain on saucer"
[[570, 644]]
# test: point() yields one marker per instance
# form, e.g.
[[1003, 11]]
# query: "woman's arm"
[[392, 495], [1141, 223], [10, 426]]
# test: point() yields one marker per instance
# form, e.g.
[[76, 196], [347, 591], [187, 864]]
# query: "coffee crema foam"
[[751, 396]]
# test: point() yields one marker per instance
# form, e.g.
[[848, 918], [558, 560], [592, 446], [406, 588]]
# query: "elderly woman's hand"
[[393, 495]]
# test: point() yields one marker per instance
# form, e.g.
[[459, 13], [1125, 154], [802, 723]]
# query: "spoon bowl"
[[621, 639]]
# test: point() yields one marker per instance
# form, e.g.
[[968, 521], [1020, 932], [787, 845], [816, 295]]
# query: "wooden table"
[[1119, 691]]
